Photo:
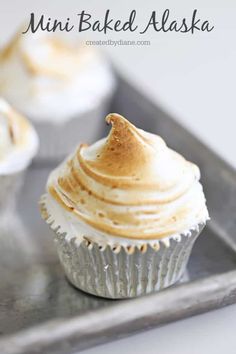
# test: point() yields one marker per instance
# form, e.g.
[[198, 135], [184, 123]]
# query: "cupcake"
[[61, 85], [126, 212], [18, 145]]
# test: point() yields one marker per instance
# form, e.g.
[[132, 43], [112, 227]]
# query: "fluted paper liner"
[[122, 272]]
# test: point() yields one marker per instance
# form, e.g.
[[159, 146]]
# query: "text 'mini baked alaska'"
[[126, 211]]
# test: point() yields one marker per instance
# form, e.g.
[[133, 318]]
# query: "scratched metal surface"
[[40, 312]]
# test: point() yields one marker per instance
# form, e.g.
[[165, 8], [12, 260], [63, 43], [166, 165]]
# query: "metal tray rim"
[[157, 309]]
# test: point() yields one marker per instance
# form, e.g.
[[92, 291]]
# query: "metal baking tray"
[[40, 312]]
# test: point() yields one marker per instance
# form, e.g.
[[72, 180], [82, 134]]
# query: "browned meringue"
[[53, 78], [130, 185], [51, 57], [18, 139]]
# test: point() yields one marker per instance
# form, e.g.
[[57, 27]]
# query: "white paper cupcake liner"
[[121, 275], [58, 140], [122, 271]]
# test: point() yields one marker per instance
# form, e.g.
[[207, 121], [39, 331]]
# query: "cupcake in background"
[[126, 212], [58, 84], [18, 146]]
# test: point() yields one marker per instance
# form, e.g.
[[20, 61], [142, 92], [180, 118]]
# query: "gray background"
[[193, 77]]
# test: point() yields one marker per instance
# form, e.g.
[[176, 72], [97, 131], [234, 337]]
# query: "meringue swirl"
[[130, 185], [48, 77], [18, 140]]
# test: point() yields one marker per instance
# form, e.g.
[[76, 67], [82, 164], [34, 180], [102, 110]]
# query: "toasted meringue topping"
[[51, 78], [18, 140], [130, 185], [47, 55]]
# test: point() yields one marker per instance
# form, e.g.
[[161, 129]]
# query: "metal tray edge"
[[142, 313]]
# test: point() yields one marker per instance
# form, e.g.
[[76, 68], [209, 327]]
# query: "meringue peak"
[[125, 151], [130, 184], [123, 132], [128, 153]]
